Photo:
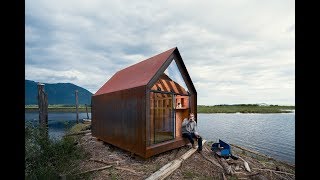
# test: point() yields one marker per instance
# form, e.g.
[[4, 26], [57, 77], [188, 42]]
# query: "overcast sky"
[[236, 51]]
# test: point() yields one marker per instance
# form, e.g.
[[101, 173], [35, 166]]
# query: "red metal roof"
[[136, 75]]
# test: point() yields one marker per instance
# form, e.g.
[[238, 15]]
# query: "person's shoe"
[[199, 150], [194, 146]]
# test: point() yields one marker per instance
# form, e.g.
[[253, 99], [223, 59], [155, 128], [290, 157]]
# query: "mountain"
[[58, 93]]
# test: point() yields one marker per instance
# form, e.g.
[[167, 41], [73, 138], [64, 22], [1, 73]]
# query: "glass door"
[[162, 117]]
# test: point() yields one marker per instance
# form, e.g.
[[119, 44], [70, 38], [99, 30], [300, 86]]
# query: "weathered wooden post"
[[87, 111], [43, 108], [76, 93]]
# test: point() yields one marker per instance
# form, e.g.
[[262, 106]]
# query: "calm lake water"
[[270, 134], [58, 121]]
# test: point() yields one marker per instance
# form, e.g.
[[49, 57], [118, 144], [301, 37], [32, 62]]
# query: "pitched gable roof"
[[136, 75]]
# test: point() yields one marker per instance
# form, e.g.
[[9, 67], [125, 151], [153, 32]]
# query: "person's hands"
[[196, 134]]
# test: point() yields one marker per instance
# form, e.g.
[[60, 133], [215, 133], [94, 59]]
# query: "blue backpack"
[[223, 149]]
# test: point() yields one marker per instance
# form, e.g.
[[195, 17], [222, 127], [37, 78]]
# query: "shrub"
[[49, 158]]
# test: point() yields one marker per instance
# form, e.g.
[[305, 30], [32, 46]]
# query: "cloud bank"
[[236, 51]]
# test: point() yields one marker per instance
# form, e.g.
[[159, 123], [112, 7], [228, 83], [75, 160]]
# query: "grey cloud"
[[228, 48]]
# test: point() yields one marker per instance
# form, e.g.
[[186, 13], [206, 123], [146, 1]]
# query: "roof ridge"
[[146, 59]]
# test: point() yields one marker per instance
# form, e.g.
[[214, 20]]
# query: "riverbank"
[[124, 165], [246, 108], [254, 108], [58, 108]]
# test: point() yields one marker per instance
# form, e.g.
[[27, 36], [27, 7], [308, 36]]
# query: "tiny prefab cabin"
[[141, 108]]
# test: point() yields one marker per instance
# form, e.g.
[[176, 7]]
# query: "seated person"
[[189, 130]]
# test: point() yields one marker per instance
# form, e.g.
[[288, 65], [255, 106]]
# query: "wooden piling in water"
[[87, 111], [77, 112], [43, 108]]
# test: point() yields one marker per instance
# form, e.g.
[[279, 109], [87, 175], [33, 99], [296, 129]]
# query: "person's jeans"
[[190, 136]]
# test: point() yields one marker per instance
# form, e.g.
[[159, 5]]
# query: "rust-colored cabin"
[[141, 108]]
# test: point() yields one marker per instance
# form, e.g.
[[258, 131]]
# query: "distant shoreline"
[[245, 108], [200, 109], [69, 109]]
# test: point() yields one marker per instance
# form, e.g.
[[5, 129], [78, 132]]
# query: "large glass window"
[[173, 73], [161, 117], [171, 81], [169, 104]]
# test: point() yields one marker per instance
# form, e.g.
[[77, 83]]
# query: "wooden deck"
[[165, 146]]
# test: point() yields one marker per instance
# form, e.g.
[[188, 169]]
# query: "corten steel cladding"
[[121, 107], [119, 119]]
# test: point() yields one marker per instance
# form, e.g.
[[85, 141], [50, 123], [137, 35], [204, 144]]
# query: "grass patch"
[[113, 174], [244, 108], [193, 175], [260, 158], [157, 167], [243, 152], [79, 127], [232, 178], [50, 158], [189, 174], [209, 143]]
